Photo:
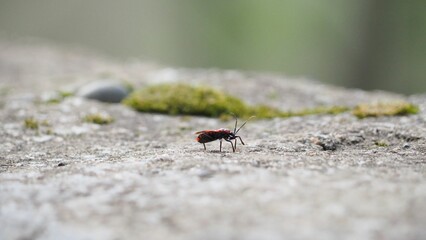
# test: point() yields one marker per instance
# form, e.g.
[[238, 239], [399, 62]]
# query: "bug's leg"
[[235, 144], [233, 148], [240, 139], [204, 147], [220, 148]]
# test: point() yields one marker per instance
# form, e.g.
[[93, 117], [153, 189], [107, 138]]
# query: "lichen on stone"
[[98, 119], [31, 123], [379, 109], [183, 99], [381, 143]]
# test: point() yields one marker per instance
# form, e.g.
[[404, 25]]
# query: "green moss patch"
[[381, 143], [98, 119], [40, 126], [385, 109], [333, 110], [31, 123], [59, 97], [182, 99]]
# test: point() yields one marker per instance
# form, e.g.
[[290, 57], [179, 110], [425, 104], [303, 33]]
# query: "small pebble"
[[104, 91], [327, 143]]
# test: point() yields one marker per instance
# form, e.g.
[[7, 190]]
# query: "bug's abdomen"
[[204, 138], [209, 136]]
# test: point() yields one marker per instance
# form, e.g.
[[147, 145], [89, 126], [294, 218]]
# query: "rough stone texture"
[[144, 176]]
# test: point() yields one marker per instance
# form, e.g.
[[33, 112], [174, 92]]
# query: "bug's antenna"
[[236, 121], [235, 132]]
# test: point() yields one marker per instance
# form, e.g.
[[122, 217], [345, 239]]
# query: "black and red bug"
[[206, 136]]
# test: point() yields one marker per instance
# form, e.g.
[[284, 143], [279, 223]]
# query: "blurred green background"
[[369, 44]]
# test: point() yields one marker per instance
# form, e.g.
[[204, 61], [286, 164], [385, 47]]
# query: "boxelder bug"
[[206, 136]]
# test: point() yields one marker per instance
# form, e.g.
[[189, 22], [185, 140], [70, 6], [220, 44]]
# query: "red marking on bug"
[[206, 136]]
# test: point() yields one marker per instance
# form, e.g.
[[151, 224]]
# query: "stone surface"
[[145, 177]]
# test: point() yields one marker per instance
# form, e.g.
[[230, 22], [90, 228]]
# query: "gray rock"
[[104, 91], [144, 177]]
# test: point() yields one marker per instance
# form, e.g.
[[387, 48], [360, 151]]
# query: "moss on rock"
[[385, 109], [98, 119], [182, 99], [31, 123]]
